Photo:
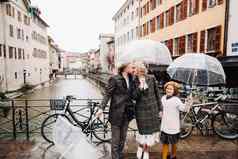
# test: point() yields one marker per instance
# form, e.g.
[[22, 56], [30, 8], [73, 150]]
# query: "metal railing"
[[21, 119]]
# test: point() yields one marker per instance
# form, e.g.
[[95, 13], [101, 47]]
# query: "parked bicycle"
[[84, 118], [222, 122]]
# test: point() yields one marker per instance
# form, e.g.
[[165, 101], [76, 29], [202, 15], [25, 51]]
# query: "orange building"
[[185, 25]]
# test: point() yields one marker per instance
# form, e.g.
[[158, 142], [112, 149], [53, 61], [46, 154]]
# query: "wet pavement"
[[195, 147]]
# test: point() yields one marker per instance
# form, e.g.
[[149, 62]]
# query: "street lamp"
[[24, 76]]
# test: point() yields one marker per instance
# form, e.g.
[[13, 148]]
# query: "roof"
[[121, 9]]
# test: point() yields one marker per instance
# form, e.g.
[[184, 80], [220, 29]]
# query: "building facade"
[[104, 50], [126, 22], [55, 57], [180, 25], [23, 39]]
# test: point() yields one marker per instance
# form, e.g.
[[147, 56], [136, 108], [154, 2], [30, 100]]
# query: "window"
[[8, 9], [15, 75], [13, 12], [192, 43], [214, 39], [22, 34], [15, 53], [4, 51], [178, 12], [211, 3], [132, 16], [176, 47], [152, 4], [158, 22], [25, 20], [19, 53], [18, 33], [132, 34], [169, 44], [162, 20], [23, 54], [11, 50], [182, 45], [19, 16], [11, 30], [152, 25], [202, 41], [170, 16], [167, 18], [193, 7]]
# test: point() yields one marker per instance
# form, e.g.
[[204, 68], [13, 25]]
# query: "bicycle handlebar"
[[221, 97]]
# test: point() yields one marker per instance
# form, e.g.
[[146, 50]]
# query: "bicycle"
[[216, 116], [89, 124]]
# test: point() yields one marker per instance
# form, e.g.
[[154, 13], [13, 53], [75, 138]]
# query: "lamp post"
[[24, 76]]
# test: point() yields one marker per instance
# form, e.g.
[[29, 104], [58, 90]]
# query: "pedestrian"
[[119, 91], [170, 124], [146, 111]]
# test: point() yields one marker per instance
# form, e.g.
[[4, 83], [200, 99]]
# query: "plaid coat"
[[120, 97], [147, 107]]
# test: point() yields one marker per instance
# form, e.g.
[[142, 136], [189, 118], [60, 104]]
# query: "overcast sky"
[[76, 24]]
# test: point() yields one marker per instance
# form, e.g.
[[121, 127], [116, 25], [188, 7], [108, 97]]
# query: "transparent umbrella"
[[197, 69], [147, 51], [72, 143]]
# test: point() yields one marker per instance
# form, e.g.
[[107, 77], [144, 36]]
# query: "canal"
[[78, 87]]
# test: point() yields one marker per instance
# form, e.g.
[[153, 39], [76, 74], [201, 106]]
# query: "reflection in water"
[[81, 88]]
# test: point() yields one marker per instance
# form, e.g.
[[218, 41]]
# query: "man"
[[119, 91]]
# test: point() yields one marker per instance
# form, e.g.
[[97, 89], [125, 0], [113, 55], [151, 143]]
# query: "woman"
[[146, 110]]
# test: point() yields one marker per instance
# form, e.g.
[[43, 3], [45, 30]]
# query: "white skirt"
[[149, 140]]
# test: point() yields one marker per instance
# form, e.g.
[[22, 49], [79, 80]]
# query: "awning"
[[229, 61]]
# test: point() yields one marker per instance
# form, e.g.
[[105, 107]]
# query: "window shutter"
[[162, 20], [202, 42], [171, 46], [218, 38], [220, 2], [183, 39], [197, 7], [153, 24], [172, 16], [184, 9], [195, 42], [204, 5]]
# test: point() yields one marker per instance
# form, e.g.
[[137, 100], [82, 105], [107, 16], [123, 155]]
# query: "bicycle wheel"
[[225, 125], [186, 127], [48, 125], [102, 130]]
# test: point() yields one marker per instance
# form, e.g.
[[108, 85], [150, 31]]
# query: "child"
[[170, 124]]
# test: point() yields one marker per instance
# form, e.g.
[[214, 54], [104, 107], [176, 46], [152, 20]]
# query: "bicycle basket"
[[57, 104]]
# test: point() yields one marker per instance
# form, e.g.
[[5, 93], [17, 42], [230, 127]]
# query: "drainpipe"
[[139, 12], [226, 27]]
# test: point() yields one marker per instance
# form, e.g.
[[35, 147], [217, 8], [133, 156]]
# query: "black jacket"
[[121, 98]]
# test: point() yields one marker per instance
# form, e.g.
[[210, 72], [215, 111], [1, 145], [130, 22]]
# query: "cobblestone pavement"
[[195, 147]]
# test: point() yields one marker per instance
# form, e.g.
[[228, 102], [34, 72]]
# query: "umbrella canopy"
[[197, 69], [148, 51]]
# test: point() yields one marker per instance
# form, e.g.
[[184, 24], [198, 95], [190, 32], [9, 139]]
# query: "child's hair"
[[175, 85]]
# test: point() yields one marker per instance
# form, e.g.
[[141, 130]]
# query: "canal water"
[[78, 87]]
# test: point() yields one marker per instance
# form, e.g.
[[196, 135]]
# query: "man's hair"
[[122, 68]]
